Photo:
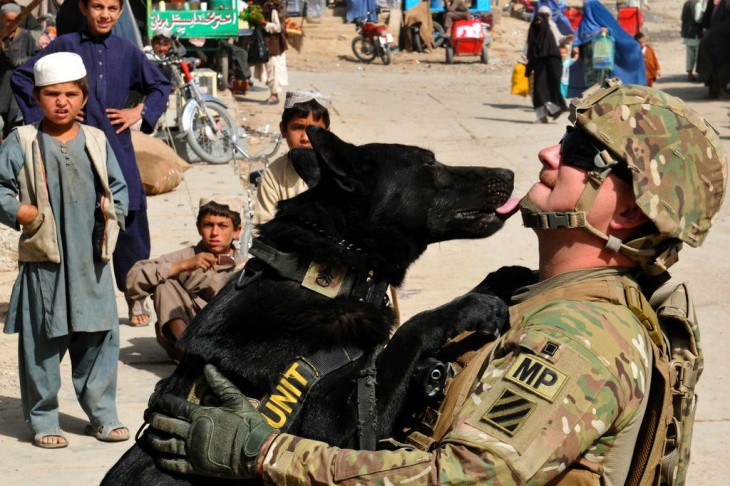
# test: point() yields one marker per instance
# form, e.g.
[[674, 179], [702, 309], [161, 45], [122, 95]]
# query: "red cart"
[[468, 38]]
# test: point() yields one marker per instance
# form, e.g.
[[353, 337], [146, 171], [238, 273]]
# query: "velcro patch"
[[324, 279], [509, 412], [537, 376]]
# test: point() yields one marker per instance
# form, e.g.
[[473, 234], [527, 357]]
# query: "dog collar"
[[321, 277]]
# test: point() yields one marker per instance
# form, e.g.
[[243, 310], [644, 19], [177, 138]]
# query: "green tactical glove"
[[220, 441]]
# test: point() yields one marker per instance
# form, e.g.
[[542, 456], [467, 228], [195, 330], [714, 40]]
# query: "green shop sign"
[[215, 18]]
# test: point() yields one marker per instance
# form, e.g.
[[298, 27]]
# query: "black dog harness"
[[283, 403]]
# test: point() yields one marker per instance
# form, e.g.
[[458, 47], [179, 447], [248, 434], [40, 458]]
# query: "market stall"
[[198, 22]]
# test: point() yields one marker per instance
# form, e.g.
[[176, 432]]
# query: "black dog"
[[317, 289]]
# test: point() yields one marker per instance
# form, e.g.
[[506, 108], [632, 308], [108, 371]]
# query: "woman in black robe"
[[544, 63]]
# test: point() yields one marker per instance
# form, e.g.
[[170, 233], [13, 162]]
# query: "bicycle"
[[202, 120], [253, 178]]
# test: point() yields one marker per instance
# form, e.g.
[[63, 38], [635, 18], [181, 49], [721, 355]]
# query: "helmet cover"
[[677, 161]]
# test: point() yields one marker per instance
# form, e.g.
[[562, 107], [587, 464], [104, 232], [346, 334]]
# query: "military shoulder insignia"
[[537, 376], [509, 412]]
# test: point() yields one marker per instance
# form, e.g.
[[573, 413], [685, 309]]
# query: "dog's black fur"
[[374, 208]]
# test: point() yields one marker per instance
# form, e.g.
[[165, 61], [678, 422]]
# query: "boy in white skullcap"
[[280, 181], [181, 283], [61, 185]]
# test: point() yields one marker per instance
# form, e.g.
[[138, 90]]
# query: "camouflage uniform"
[[565, 385], [565, 390]]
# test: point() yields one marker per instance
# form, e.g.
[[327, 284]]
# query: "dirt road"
[[465, 114]]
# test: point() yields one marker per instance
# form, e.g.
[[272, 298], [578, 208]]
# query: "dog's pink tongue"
[[509, 208]]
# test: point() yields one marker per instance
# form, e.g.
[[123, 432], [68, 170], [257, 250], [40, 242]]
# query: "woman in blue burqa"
[[628, 61]]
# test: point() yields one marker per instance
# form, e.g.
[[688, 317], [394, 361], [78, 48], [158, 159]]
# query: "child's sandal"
[[104, 432], [40, 439]]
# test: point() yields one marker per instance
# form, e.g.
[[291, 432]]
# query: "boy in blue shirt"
[[567, 62]]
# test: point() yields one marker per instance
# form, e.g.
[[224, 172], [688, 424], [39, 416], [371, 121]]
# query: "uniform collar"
[[529, 291]]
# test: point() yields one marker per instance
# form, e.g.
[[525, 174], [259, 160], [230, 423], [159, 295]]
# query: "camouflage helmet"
[[677, 161]]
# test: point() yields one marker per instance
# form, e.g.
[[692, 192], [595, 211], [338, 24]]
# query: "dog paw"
[[480, 312], [505, 281]]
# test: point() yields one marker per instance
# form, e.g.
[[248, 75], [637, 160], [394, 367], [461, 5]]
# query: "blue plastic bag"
[[603, 52]]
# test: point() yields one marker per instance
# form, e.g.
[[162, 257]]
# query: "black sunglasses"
[[577, 149]]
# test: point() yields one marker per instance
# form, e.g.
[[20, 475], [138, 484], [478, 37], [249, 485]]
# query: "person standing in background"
[[17, 47], [653, 71], [274, 72], [691, 33], [63, 298], [568, 59], [544, 63]]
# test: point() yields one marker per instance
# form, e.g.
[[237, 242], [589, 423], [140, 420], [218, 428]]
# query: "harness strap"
[[367, 417], [281, 406], [654, 424]]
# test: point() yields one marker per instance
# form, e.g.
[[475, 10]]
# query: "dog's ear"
[[305, 163], [341, 158]]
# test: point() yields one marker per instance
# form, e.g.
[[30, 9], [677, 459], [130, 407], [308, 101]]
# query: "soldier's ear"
[[628, 218]]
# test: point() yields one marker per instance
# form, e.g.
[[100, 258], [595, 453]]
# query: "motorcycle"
[[373, 40], [203, 121]]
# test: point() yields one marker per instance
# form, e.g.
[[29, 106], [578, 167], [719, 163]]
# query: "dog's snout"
[[507, 175]]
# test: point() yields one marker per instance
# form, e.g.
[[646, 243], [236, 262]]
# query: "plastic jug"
[[603, 52]]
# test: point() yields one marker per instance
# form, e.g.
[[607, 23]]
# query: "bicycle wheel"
[[213, 140], [363, 49]]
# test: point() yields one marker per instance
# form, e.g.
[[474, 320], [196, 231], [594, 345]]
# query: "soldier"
[[562, 394]]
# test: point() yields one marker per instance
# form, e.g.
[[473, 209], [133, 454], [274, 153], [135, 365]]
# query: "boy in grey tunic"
[[51, 176]]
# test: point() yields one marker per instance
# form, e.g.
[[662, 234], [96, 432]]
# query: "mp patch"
[[537, 376], [509, 412]]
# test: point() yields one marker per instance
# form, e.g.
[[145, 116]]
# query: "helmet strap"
[[533, 217]]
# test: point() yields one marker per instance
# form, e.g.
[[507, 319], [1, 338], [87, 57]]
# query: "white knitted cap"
[[59, 67]]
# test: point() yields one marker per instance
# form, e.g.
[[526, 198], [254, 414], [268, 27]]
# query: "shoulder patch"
[[537, 376], [509, 412]]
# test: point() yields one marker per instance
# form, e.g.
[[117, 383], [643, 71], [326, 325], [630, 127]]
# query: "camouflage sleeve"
[[558, 391]]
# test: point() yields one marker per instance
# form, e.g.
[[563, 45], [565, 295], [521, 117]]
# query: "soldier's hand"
[[222, 441]]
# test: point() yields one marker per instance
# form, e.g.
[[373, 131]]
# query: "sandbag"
[[160, 168]]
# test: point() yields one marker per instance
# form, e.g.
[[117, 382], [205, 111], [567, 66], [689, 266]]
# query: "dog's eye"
[[430, 159]]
